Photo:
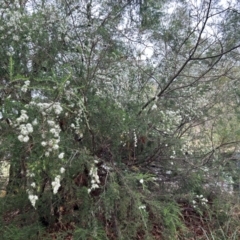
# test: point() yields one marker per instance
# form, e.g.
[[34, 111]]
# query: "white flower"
[[20, 138], [50, 143], [55, 147], [47, 154], [24, 131], [56, 184], [62, 170], [53, 130], [56, 134], [43, 143], [51, 123], [23, 117], [91, 171], [33, 185], [23, 111], [29, 127], [33, 199], [34, 122], [58, 111], [16, 38], [19, 120], [154, 106], [31, 174], [66, 39], [135, 138], [142, 207], [94, 186], [141, 181], [61, 155], [24, 89], [8, 53], [97, 179], [27, 83], [25, 138]]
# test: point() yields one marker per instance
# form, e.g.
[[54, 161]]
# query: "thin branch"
[[184, 64], [218, 55]]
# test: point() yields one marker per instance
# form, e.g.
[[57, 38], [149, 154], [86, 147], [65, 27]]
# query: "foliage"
[[119, 119]]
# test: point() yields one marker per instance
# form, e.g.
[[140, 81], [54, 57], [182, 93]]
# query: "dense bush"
[[119, 120]]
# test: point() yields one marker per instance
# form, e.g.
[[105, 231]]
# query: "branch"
[[184, 64], [218, 55]]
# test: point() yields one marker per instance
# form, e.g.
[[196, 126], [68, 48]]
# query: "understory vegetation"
[[119, 119]]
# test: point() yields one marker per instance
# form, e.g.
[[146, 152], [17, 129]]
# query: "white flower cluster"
[[30, 174], [62, 170], [95, 178], [142, 207], [33, 199], [35, 122], [169, 120], [48, 107], [154, 106], [23, 117], [55, 128], [56, 184], [135, 138], [124, 138], [25, 128], [69, 93], [14, 18], [200, 199], [31, 196], [173, 154], [76, 126], [77, 131], [25, 86], [52, 143], [61, 155]]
